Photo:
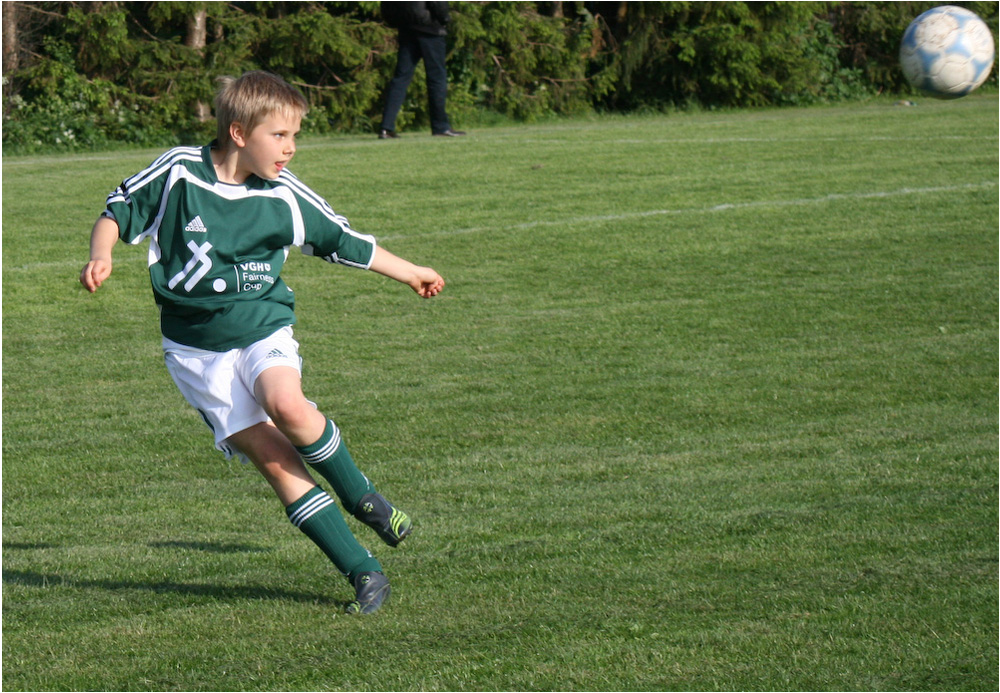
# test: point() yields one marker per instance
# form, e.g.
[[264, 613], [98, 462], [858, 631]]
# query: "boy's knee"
[[289, 410]]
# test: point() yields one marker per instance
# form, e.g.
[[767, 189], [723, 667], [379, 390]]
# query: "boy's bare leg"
[[275, 458], [315, 437]]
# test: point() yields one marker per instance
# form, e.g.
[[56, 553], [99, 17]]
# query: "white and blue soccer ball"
[[947, 52]]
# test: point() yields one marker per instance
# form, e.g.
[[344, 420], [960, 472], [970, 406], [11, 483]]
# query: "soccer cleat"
[[371, 588], [391, 524]]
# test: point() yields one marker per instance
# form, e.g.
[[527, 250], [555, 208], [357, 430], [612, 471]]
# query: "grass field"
[[709, 403]]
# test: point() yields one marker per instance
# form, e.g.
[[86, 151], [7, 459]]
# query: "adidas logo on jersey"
[[196, 225]]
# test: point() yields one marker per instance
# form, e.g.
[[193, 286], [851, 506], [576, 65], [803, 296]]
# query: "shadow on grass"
[[222, 592], [208, 547]]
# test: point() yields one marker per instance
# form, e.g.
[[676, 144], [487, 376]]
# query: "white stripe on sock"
[[327, 450], [313, 506]]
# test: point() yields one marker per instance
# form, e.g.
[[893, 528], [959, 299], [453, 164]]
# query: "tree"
[[196, 40], [10, 43]]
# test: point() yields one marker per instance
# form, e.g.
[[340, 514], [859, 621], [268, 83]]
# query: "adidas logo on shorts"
[[275, 354]]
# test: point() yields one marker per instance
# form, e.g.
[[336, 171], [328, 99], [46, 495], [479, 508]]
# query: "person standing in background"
[[421, 30]]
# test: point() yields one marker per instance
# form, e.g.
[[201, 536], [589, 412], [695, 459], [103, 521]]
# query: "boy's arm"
[[102, 240], [425, 281]]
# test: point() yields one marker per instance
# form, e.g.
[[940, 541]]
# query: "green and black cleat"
[[391, 524], [371, 590]]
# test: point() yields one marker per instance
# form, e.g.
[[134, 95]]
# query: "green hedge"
[[95, 75]]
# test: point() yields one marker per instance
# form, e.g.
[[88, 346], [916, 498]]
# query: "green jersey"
[[216, 250]]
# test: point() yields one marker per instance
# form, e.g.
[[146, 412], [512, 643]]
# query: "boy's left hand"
[[427, 283]]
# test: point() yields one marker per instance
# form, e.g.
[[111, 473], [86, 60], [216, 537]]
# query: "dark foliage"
[[83, 75]]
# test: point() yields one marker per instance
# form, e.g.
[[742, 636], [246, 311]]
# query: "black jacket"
[[423, 17]]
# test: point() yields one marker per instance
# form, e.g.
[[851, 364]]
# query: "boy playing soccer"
[[220, 220]]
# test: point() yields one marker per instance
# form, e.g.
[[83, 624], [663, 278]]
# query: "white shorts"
[[219, 384]]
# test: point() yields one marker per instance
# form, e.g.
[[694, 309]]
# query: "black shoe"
[[371, 589], [392, 524], [448, 133], [387, 134]]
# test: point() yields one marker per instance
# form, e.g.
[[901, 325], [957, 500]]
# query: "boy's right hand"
[[102, 239], [94, 273]]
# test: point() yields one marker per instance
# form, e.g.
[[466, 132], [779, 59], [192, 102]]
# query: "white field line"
[[762, 204], [145, 156], [121, 259], [602, 218], [646, 141]]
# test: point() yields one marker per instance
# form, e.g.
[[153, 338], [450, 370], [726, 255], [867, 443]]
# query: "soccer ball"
[[947, 52]]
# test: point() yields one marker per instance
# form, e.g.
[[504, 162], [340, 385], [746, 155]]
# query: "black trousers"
[[413, 47]]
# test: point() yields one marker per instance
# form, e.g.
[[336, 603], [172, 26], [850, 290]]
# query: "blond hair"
[[251, 98]]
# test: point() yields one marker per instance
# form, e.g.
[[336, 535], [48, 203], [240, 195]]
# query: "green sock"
[[330, 458], [318, 517]]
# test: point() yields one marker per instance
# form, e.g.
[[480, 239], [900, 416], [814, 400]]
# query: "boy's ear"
[[237, 135]]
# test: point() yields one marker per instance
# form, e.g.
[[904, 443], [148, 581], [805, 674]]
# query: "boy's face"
[[268, 148]]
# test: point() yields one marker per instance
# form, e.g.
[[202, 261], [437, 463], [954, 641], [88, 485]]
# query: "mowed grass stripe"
[[721, 207]]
